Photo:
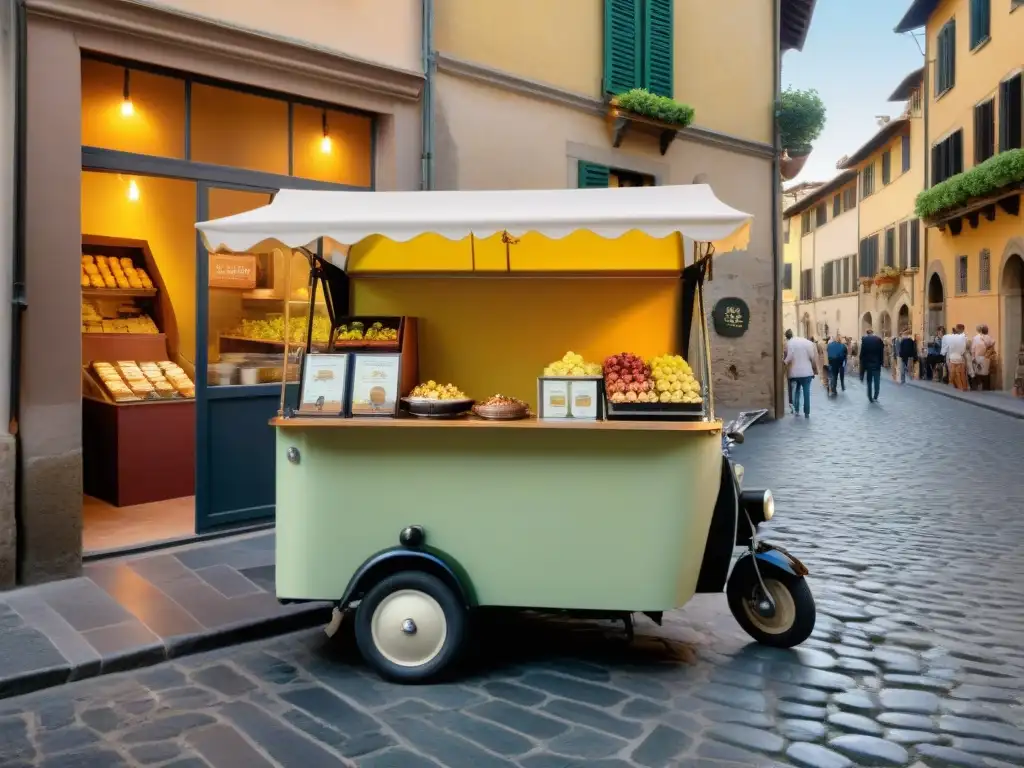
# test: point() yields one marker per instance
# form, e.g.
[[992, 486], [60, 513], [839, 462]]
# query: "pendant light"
[[325, 142], [127, 108]]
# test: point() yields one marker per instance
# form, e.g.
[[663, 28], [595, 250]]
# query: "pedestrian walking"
[[790, 383], [954, 350], [802, 364], [822, 349], [836, 365], [908, 353], [872, 353], [983, 352]]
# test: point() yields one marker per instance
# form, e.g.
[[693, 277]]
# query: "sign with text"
[[232, 271], [731, 317]]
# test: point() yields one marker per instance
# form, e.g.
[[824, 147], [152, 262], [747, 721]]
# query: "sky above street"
[[854, 60]]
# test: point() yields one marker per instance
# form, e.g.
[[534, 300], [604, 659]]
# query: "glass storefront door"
[[239, 365]]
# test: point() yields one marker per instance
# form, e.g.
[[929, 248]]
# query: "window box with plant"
[[801, 119], [887, 279], [639, 37], [1002, 173]]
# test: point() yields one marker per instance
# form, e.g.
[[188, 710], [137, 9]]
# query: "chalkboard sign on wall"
[[731, 317]]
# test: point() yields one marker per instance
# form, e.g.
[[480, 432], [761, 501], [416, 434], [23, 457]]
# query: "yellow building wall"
[[561, 43], [382, 31], [496, 334], [895, 201], [791, 255], [724, 65]]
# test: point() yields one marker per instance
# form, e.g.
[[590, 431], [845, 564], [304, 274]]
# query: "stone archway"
[[936, 304], [885, 325], [865, 323], [903, 319], [1011, 289]]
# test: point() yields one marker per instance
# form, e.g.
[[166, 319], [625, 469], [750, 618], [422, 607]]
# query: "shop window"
[[985, 270], [150, 121], [333, 146], [239, 129], [620, 178]]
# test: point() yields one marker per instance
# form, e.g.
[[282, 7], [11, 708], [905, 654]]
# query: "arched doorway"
[[808, 329], [936, 304], [885, 325], [903, 319], [865, 323], [1011, 286]]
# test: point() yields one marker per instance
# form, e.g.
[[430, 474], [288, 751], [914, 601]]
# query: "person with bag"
[[983, 350], [908, 353]]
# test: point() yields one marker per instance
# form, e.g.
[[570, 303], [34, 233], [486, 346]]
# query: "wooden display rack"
[[140, 451]]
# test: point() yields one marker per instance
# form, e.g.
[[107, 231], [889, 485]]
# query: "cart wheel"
[[794, 616], [410, 627]]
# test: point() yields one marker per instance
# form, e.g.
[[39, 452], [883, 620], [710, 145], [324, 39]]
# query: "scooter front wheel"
[[783, 622]]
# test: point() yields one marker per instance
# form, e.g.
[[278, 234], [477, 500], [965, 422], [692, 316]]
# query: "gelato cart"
[[440, 454]]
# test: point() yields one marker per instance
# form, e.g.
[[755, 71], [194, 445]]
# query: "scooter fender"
[[777, 557]]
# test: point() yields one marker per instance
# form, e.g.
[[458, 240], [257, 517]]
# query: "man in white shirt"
[[802, 363], [954, 349]]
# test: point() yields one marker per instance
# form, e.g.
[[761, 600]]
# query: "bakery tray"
[[418, 406]]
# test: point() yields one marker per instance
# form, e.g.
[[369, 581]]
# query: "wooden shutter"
[[592, 175], [657, 66], [904, 244], [621, 46], [1011, 104], [915, 244]]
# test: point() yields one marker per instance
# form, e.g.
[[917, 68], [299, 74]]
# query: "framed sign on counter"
[[324, 385], [375, 384], [574, 397]]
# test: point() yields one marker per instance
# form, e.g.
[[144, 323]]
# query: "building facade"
[[890, 169], [8, 75], [974, 247], [143, 117], [826, 291], [791, 253]]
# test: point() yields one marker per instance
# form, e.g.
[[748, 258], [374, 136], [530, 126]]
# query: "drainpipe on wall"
[[778, 403], [18, 297], [926, 88], [429, 72]]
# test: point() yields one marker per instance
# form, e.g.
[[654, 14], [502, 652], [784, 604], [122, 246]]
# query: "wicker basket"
[[501, 412]]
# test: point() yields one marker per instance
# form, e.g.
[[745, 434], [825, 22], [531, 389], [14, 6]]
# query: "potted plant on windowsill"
[[887, 279], [649, 111], [801, 119]]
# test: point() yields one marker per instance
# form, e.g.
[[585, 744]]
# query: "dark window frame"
[[850, 198], [962, 266], [787, 276], [984, 130], [981, 22], [915, 244], [820, 215], [1011, 112], [905, 154], [867, 181], [887, 167], [904, 247], [837, 205], [945, 59], [948, 157], [805, 222], [890, 247], [985, 270]]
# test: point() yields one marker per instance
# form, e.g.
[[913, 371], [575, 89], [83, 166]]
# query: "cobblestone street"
[[909, 515]]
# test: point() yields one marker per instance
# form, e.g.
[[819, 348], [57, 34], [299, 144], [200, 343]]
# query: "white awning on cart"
[[297, 218]]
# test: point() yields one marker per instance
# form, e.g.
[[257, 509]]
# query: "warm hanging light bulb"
[[133, 191], [325, 142], [127, 108]]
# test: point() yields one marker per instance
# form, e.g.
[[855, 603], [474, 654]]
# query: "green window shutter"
[[658, 47], [592, 175], [621, 46]]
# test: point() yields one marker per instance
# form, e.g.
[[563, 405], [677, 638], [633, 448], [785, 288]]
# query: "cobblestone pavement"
[[913, 536]]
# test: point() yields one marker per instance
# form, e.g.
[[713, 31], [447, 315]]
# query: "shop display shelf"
[[243, 343], [118, 293], [656, 411]]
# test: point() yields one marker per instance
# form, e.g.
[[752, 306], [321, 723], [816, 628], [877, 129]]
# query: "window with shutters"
[[985, 270], [837, 206], [904, 245], [638, 37], [867, 181], [945, 58], [807, 285], [869, 256], [886, 167], [961, 275], [787, 277], [590, 175], [850, 198], [984, 131], [890, 247], [786, 227], [805, 222], [905, 153], [915, 244], [820, 215], [1011, 112], [827, 279], [948, 157], [981, 22]]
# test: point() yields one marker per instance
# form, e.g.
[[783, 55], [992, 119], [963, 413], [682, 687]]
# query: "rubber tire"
[[455, 618], [743, 580]]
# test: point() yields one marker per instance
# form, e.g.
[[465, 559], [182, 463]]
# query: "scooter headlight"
[[759, 505]]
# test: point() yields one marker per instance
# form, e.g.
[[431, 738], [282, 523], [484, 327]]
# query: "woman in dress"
[[983, 351]]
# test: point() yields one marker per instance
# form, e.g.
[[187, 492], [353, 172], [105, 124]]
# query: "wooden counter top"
[[473, 422]]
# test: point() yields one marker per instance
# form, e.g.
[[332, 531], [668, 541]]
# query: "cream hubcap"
[[785, 610], [409, 628]]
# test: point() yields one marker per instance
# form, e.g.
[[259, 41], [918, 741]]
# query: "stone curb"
[[996, 407], [297, 618]]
